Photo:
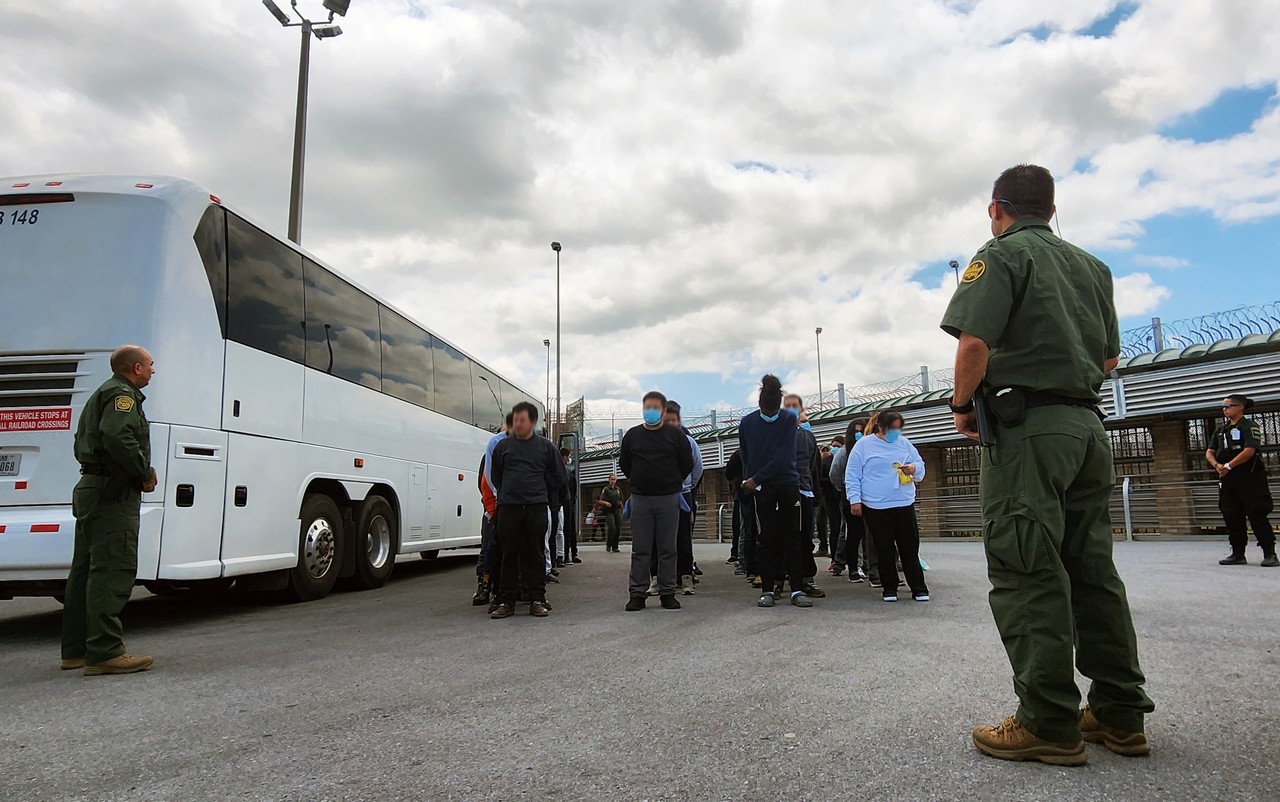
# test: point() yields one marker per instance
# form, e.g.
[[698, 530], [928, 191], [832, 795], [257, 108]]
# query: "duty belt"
[[95, 470], [1036, 399]]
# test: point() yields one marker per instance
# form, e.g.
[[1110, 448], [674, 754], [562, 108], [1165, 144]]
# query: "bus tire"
[[375, 540], [320, 542], [430, 555]]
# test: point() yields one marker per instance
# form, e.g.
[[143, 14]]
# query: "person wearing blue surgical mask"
[[855, 538], [656, 458], [767, 443], [808, 461], [880, 481]]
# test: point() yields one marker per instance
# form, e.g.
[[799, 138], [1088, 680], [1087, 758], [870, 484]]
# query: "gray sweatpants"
[[654, 523]]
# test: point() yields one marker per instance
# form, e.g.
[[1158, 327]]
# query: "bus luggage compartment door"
[[194, 496]]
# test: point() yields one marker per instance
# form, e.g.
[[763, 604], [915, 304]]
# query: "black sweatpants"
[[896, 527], [522, 534], [808, 516], [570, 511], [777, 514]]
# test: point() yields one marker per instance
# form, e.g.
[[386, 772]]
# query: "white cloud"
[[1161, 262], [449, 146], [1138, 294]]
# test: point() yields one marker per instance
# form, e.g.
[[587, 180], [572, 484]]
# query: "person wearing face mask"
[[855, 539], [829, 507], [880, 482], [807, 464], [1243, 493], [767, 442], [656, 459], [688, 505]]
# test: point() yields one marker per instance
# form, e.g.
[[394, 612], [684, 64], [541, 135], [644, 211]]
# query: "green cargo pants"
[[1055, 592], [104, 566]]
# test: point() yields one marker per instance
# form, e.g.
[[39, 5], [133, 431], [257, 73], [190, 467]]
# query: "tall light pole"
[[817, 338], [545, 409], [555, 246], [955, 268], [321, 31]]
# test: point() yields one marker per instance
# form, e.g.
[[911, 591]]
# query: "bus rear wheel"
[[375, 541], [320, 543]]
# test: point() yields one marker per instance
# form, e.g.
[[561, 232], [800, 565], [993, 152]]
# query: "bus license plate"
[[9, 464]]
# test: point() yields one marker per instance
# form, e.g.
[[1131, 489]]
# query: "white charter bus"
[[302, 430]]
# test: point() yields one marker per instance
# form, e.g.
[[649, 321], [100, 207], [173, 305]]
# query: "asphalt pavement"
[[410, 693]]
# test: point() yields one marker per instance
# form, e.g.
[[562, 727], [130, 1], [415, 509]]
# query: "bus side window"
[[452, 381], [264, 292], [486, 396], [406, 360], [342, 328], [211, 241]]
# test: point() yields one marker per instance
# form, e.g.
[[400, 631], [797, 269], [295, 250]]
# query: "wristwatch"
[[960, 410]]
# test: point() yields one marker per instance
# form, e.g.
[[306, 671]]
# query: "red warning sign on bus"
[[51, 419]]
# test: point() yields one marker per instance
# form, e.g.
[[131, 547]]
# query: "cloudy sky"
[[725, 175]]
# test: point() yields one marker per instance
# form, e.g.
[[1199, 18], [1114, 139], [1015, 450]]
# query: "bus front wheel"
[[319, 549], [375, 541]]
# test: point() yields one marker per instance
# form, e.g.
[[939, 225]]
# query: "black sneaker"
[[854, 576], [670, 603], [482, 595], [502, 611], [553, 577], [577, 560], [635, 603], [740, 571], [813, 591], [1233, 559], [920, 597], [731, 561], [540, 609], [1270, 561], [875, 583], [493, 606]]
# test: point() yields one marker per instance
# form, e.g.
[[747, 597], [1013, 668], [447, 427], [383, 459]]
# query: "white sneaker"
[[891, 598], [653, 586], [921, 597], [686, 585]]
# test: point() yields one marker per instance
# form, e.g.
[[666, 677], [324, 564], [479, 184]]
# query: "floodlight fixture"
[[326, 31], [338, 7], [276, 11]]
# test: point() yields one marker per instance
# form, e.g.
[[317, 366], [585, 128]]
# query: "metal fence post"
[[1128, 508]]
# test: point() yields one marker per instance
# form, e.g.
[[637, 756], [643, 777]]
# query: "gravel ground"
[[409, 693]]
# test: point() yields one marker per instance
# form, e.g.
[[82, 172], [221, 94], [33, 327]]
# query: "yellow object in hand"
[[903, 477]]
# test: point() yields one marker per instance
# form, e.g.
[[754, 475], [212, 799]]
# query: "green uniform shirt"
[[1230, 439], [614, 496], [113, 431], [1044, 307]]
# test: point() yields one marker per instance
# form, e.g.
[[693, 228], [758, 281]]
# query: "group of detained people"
[[864, 480], [781, 475]]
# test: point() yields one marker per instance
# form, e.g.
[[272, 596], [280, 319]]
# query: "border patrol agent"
[[1243, 493], [113, 447], [1037, 329]]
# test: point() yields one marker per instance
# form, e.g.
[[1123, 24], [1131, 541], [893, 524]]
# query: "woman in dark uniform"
[[1243, 493]]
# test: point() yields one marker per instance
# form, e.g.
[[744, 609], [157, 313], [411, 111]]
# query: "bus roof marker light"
[[53, 183], [144, 186], [215, 199], [23, 185], [280, 16], [359, 462]]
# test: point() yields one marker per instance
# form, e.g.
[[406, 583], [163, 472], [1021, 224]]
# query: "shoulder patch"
[[976, 269], [123, 403]]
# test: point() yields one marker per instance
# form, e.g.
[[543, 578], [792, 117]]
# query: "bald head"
[[134, 364]]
